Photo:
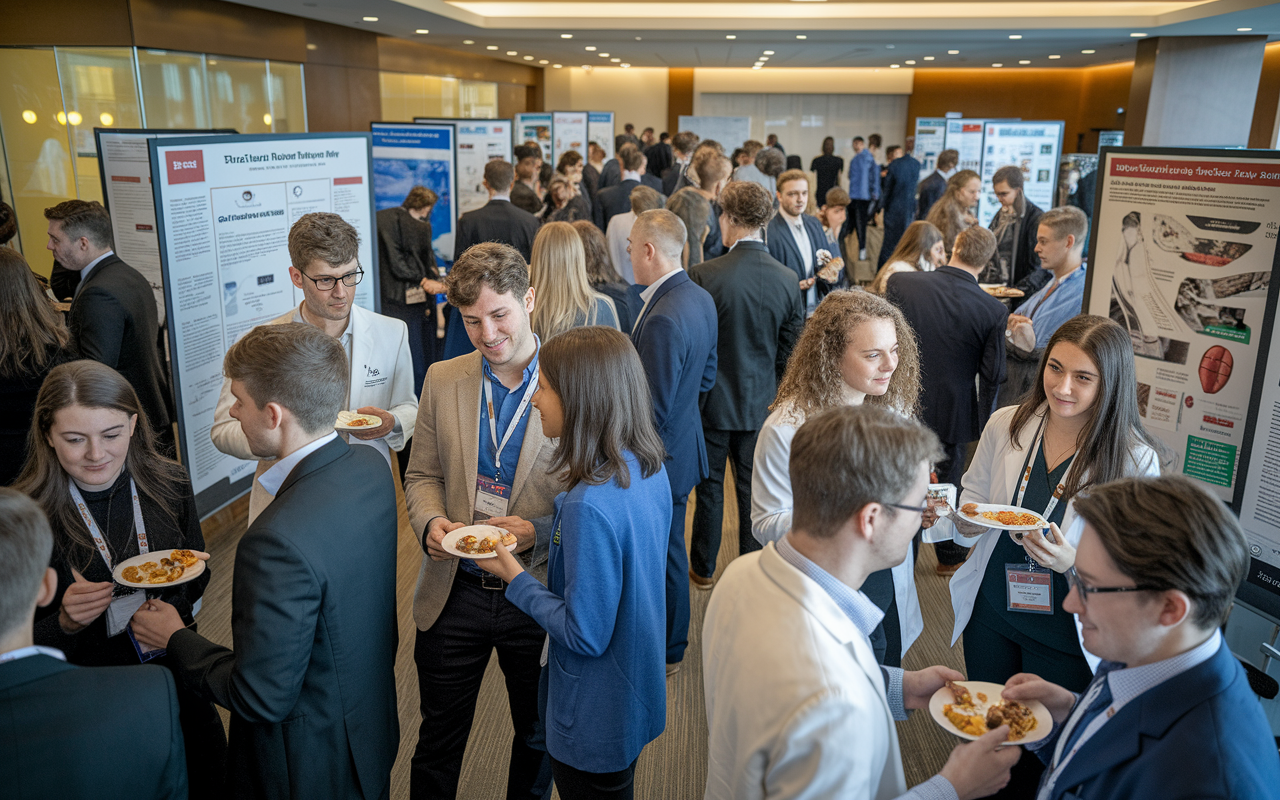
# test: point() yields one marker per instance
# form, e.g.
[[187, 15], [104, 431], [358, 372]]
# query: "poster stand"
[[419, 154]]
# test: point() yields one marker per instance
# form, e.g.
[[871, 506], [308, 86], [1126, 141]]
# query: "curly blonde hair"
[[813, 381]]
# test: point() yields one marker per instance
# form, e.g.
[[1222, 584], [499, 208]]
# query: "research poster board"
[[537, 128], [931, 139], [1257, 497], [1033, 147], [124, 165], [1110, 139], [224, 206], [730, 132], [479, 142], [571, 132], [965, 137], [409, 155], [600, 131]]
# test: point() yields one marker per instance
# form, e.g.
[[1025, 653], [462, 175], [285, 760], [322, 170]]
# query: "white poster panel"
[[1033, 147], [570, 129], [535, 128], [224, 206], [479, 142], [125, 167], [931, 139], [965, 137], [730, 132], [600, 131], [405, 156]]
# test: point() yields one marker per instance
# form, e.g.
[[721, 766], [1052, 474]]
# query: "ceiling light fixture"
[[953, 52], [1244, 30], [1024, 62], [757, 66], [590, 48], [566, 36], [730, 36], [895, 66], [491, 47], [1137, 35], [801, 36], [625, 66], [423, 31], [468, 41], [928, 58], [997, 64], [528, 58], [603, 55], [544, 61], [1054, 58], [1088, 52], [558, 66], [637, 39], [616, 60], [768, 52], [910, 62], [370, 19], [1015, 36], [513, 52]]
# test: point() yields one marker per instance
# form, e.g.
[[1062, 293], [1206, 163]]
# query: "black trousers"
[[951, 471], [856, 220], [708, 514], [451, 659], [574, 784]]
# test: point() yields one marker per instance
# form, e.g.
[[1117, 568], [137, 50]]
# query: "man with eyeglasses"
[[324, 250], [797, 706], [1169, 714]]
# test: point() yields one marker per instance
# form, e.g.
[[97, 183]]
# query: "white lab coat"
[[992, 477], [771, 504], [381, 376], [796, 705]]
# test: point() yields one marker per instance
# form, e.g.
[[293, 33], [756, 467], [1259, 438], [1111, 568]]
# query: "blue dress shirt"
[[1051, 310]]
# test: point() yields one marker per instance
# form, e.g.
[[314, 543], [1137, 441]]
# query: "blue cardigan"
[[604, 609]]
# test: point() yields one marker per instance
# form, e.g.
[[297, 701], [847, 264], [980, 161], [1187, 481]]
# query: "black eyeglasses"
[[327, 283], [1084, 589], [914, 509]]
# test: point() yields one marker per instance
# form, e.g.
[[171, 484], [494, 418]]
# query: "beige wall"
[[802, 81], [637, 95]]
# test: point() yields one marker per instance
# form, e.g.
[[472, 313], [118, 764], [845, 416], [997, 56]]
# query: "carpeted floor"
[[673, 767]]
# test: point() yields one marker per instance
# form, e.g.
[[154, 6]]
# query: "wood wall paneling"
[[515, 99], [211, 26], [340, 46], [679, 97], [97, 23], [1262, 134], [1103, 90], [328, 108]]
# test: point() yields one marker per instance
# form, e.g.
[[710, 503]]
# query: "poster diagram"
[[600, 131], [570, 129], [931, 139], [405, 156], [965, 137], [1033, 147], [535, 128], [479, 142]]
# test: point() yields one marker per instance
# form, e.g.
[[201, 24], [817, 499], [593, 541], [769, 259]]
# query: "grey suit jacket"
[[441, 478]]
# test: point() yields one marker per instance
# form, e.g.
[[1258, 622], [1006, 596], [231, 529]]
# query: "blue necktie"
[[1099, 704]]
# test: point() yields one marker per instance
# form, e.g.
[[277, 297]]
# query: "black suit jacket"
[[931, 189], [759, 320], [405, 256], [960, 329], [113, 321], [311, 681], [653, 182], [782, 246], [670, 177], [613, 201], [524, 198], [497, 221], [74, 732]]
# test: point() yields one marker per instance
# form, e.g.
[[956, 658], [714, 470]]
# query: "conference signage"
[[535, 128], [1033, 147], [409, 155], [570, 132], [224, 206], [479, 142], [728, 131], [931, 139], [125, 168], [600, 131], [1182, 258]]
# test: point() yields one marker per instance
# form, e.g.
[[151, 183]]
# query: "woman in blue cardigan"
[[603, 603]]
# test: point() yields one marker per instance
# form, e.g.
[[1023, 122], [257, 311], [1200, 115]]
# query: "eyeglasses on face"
[[913, 509], [1084, 589], [327, 282]]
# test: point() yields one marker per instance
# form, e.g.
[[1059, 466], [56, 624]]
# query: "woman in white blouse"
[[856, 348], [919, 250]]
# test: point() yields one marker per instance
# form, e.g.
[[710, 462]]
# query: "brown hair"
[[792, 175], [1105, 449], [948, 159], [711, 167], [771, 161], [569, 158], [321, 236], [1066, 221], [92, 385], [746, 204], [420, 197], [26, 547], [917, 240], [974, 246], [684, 142], [751, 147], [499, 175], [1170, 533], [527, 168], [836, 197], [948, 214], [1010, 175], [847, 457], [295, 365], [630, 158], [828, 146], [694, 211], [608, 412], [596, 251], [31, 330], [498, 266], [645, 198], [813, 381], [81, 218], [873, 140]]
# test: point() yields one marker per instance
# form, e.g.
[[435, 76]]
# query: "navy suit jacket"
[[782, 246], [899, 190], [613, 201], [676, 338], [1200, 735], [931, 190]]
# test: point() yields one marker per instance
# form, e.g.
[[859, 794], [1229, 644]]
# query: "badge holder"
[[145, 653], [1029, 589]]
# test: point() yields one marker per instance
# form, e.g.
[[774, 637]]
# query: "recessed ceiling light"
[[1137, 35], [370, 19], [1244, 30], [625, 66], [528, 58], [801, 36], [590, 48], [566, 36], [730, 36], [603, 55], [997, 64], [910, 62], [557, 66], [423, 31], [491, 47], [513, 53], [586, 67], [1015, 36], [638, 39], [762, 59], [1054, 58], [768, 52], [1088, 52], [953, 52], [895, 66], [928, 58], [544, 61], [468, 41], [616, 60], [1024, 62]]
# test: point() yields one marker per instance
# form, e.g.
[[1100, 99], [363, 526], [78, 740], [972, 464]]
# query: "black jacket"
[[1026, 262], [497, 221], [613, 201], [960, 329], [931, 189], [17, 404], [113, 321], [404, 252], [524, 198], [759, 320]]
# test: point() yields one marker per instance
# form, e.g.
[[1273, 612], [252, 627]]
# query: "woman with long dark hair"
[[919, 250], [110, 495], [606, 580]]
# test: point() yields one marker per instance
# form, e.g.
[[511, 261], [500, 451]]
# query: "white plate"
[[368, 421], [450, 543], [942, 697], [190, 574], [991, 523]]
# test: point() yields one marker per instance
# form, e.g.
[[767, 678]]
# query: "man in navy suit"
[[932, 188], [675, 335], [899, 197], [617, 199], [1169, 715], [794, 239]]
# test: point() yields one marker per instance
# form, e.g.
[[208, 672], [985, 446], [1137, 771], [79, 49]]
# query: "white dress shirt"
[[31, 650], [616, 237], [273, 478], [806, 257]]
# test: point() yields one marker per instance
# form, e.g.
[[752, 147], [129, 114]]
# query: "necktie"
[[1101, 693]]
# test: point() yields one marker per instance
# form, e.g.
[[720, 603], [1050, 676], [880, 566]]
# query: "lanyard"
[[1026, 476], [97, 534], [511, 427]]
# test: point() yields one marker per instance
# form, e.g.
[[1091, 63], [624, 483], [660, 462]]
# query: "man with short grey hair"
[[675, 335]]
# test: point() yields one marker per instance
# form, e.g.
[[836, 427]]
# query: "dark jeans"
[[451, 658], [421, 319], [677, 584], [708, 514], [951, 470], [856, 220], [574, 784]]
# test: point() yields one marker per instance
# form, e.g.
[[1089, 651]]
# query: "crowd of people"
[[616, 340]]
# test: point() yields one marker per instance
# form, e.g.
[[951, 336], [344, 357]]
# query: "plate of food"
[[158, 568], [1005, 518], [1000, 290], [477, 541], [971, 708], [351, 421]]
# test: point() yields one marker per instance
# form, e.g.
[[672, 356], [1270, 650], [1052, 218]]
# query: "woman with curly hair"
[[856, 348]]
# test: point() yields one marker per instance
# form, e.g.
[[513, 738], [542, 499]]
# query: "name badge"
[[121, 610], [1029, 590], [145, 653], [415, 294], [492, 499]]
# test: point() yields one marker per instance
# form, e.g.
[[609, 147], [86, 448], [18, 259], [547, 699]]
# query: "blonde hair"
[[558, 273]]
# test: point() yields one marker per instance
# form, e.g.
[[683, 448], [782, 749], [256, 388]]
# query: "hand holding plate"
[[526, 537], [388, 422], [436, 530], [981, 768], [505, 565], [919, 686], [1058, 555], [83, 602], [1025, 687]]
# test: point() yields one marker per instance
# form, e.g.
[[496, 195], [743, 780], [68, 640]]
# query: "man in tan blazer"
[[480, 456]]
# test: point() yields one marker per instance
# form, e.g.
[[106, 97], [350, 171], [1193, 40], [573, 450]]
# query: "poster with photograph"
[[931, 139], [479, 142], [965, 137], [570, 129], [224, 206], [535, 128], [600, 131], [1035, 148], [405, 156]]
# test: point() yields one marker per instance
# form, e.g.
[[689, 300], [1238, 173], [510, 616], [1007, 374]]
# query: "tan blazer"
[[441, 478]]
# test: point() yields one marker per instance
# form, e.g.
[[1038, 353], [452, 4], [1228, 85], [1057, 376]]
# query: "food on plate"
[[972, 724], [960, 693], [969, 509], [184, 557], [167, 570], [1170, 235], [1020, 719], [358, 422], [982, 697], [476, 546], [970, 718], [1012, 517], [1003, 291], [1215, 369]]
